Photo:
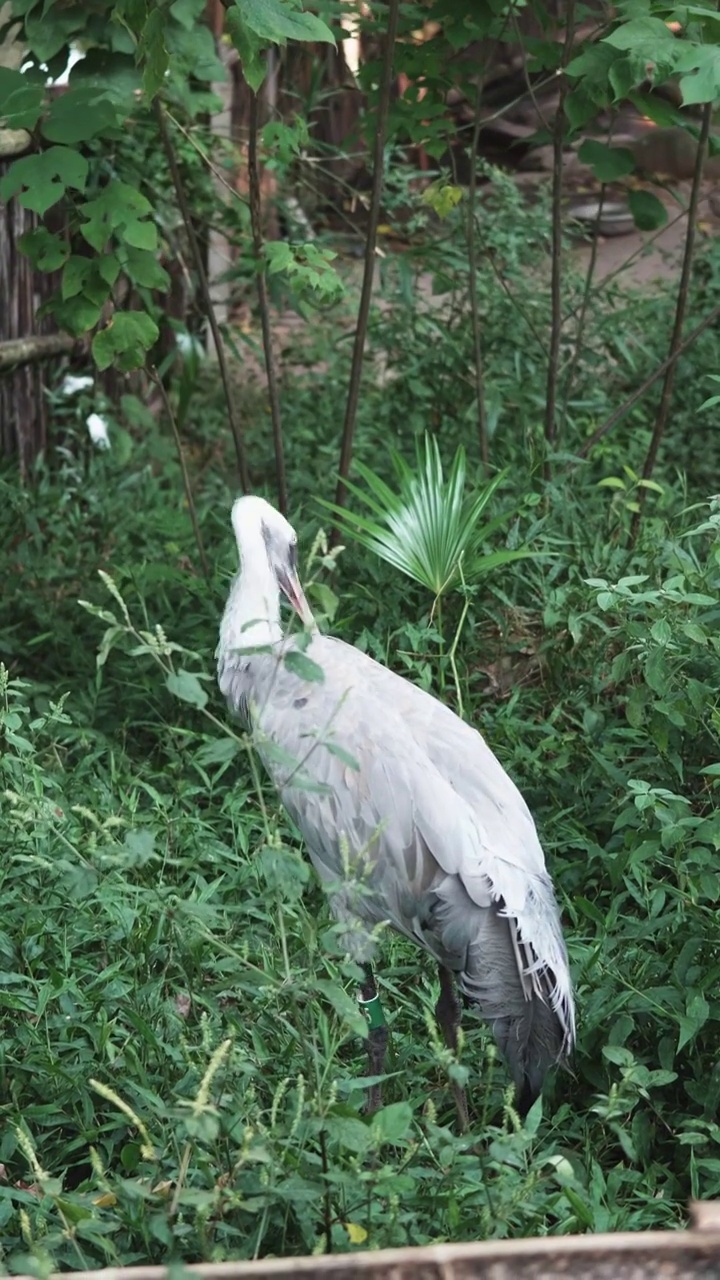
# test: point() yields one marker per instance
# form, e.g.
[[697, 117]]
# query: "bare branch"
[[186, 479], [36, 347], [680, 309], [204, 291], [556, 268], [637, 395], [259, 254], [370, 244]]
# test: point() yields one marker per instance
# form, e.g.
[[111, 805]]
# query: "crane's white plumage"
[[408, 816]]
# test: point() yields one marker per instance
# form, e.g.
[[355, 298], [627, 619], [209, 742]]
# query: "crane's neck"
[[252, 614]]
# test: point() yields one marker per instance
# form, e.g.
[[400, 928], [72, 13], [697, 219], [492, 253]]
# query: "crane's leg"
[[448, 1012], [377, 1037]]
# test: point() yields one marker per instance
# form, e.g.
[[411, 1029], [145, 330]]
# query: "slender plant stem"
[[183, 468], [327, 1202], [556, 266], [582, 317], [474, 307], [680, 309], [204, 290], [259, 253], [516, 304], [637, 395], [370, 245]]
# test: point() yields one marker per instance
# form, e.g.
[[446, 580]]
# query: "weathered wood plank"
[[652, 1255]]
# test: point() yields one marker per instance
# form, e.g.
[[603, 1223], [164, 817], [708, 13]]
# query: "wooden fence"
[[652, 1255]]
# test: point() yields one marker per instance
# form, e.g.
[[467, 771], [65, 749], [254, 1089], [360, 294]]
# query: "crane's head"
[[266, 541]]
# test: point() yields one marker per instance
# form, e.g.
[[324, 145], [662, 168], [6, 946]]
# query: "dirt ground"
[[639, 258]]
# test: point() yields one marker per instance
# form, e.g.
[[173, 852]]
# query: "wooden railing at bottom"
[[693, 1254]]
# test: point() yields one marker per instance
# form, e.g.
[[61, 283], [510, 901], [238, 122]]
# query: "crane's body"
[[409, 818]]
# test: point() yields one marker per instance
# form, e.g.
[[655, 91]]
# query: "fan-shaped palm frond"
[[428, 528]]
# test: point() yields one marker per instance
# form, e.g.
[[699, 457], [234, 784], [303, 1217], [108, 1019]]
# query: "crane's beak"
[[289, 584]]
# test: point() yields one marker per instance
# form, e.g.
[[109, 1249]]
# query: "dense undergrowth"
[[180, 1051]]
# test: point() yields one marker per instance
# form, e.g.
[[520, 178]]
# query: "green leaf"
[[250, 48], [78, 315], [344, 1005], [645, 36], [580, 107], [152, 52], [697, 1013], [607, 163], [46, 251], [21, 99], [186, 685], [648, 212], [40, 180], [126, 339], [342, 754], [50, 31], [118, 209], [300, 665], [392, 1123], [79, 115], [282, 20], [442, 197], [144, 269], [701, 83]]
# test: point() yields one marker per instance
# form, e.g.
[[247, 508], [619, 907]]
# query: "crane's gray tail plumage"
[[531, 1044], [502, 978]]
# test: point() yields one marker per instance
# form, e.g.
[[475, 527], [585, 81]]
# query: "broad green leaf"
[[661, 113], [442, 197], [49, 29], [81, 275], [115, 74], [300, 665], [118, 208], [701, 81], [187, 12], [78, 315], [21, 99], [607, 163], [152, 52], [40, 180], [144, 269], [250, 48], [222, 751], [648, 212], [282, 20], [696, 1015], [580, 107], [392, 1123], [46, 251], [184, 684], [344, 1005], [126, 339], [626, 73], [646, 36], [79, 115]]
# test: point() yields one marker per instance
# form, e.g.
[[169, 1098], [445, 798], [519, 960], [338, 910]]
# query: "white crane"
[[408, 817]]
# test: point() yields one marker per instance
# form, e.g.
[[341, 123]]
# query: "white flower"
[[72, 386], [98, 429]]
